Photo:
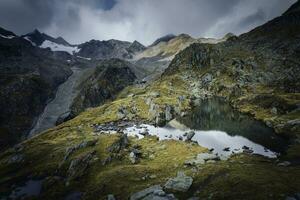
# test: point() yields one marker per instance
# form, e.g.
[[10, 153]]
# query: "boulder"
[[111, 197], [190, 135], [145, 192], [134, 156], [206, 79], [181, 183], [202, 158], [152, 193]]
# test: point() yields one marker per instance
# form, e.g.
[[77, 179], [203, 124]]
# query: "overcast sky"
[[143, 20]]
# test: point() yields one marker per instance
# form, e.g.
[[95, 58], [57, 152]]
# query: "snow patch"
[[7, 37], [59, 47], [84, 58], [28, 39]]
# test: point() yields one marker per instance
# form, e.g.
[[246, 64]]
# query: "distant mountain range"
[[43, 62]]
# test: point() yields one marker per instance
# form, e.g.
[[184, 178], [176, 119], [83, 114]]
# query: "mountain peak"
[[294, 8], [5, 32], [165, 38]]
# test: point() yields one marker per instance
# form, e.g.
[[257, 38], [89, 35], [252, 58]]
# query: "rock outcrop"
[[108, 78]]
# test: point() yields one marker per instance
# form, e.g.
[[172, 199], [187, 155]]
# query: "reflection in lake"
[[217, 126]]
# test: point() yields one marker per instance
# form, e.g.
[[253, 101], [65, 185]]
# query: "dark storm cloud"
[[25, 15], [144, 20]]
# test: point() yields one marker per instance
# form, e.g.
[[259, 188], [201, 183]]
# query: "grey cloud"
[[143, 20]]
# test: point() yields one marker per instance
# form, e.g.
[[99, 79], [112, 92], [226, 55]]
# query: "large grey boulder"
[[181, 183], [202, 158], [190, 135], [152, 193]]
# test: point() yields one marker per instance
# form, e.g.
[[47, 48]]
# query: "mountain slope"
[[42, 40], [96, 49], [82, 158], [104, 83], [29, 77]]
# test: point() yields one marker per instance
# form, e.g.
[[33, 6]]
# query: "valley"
[[183, 118]]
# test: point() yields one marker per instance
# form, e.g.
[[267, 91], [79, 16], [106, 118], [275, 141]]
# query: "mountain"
[[96, 155], [165, 38], [258, 72], [43, 40], [104, 83], [29, 77], [96, 49], [156, 58], [6, 34], [136, 47]]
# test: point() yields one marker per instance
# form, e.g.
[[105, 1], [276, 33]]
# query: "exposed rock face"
[[29, 77], [165, 38], [109, 78], [136, 47], [109, 49], [37, 38]]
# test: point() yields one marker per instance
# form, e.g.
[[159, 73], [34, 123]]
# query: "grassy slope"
[[243, 176]]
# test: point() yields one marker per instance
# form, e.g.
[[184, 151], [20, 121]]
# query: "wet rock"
[[79, 165], [111, 197], [181, 183], [226, 149], [248, 151], [190, 135], [144, 132]]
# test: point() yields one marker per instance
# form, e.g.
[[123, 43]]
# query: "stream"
[[60, 104]]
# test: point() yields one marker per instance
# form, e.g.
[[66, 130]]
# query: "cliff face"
[[107, 79], [29, 77]]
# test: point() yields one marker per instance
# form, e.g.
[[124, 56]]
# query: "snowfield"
[[28, 39], [7, 37], [59, 47]]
